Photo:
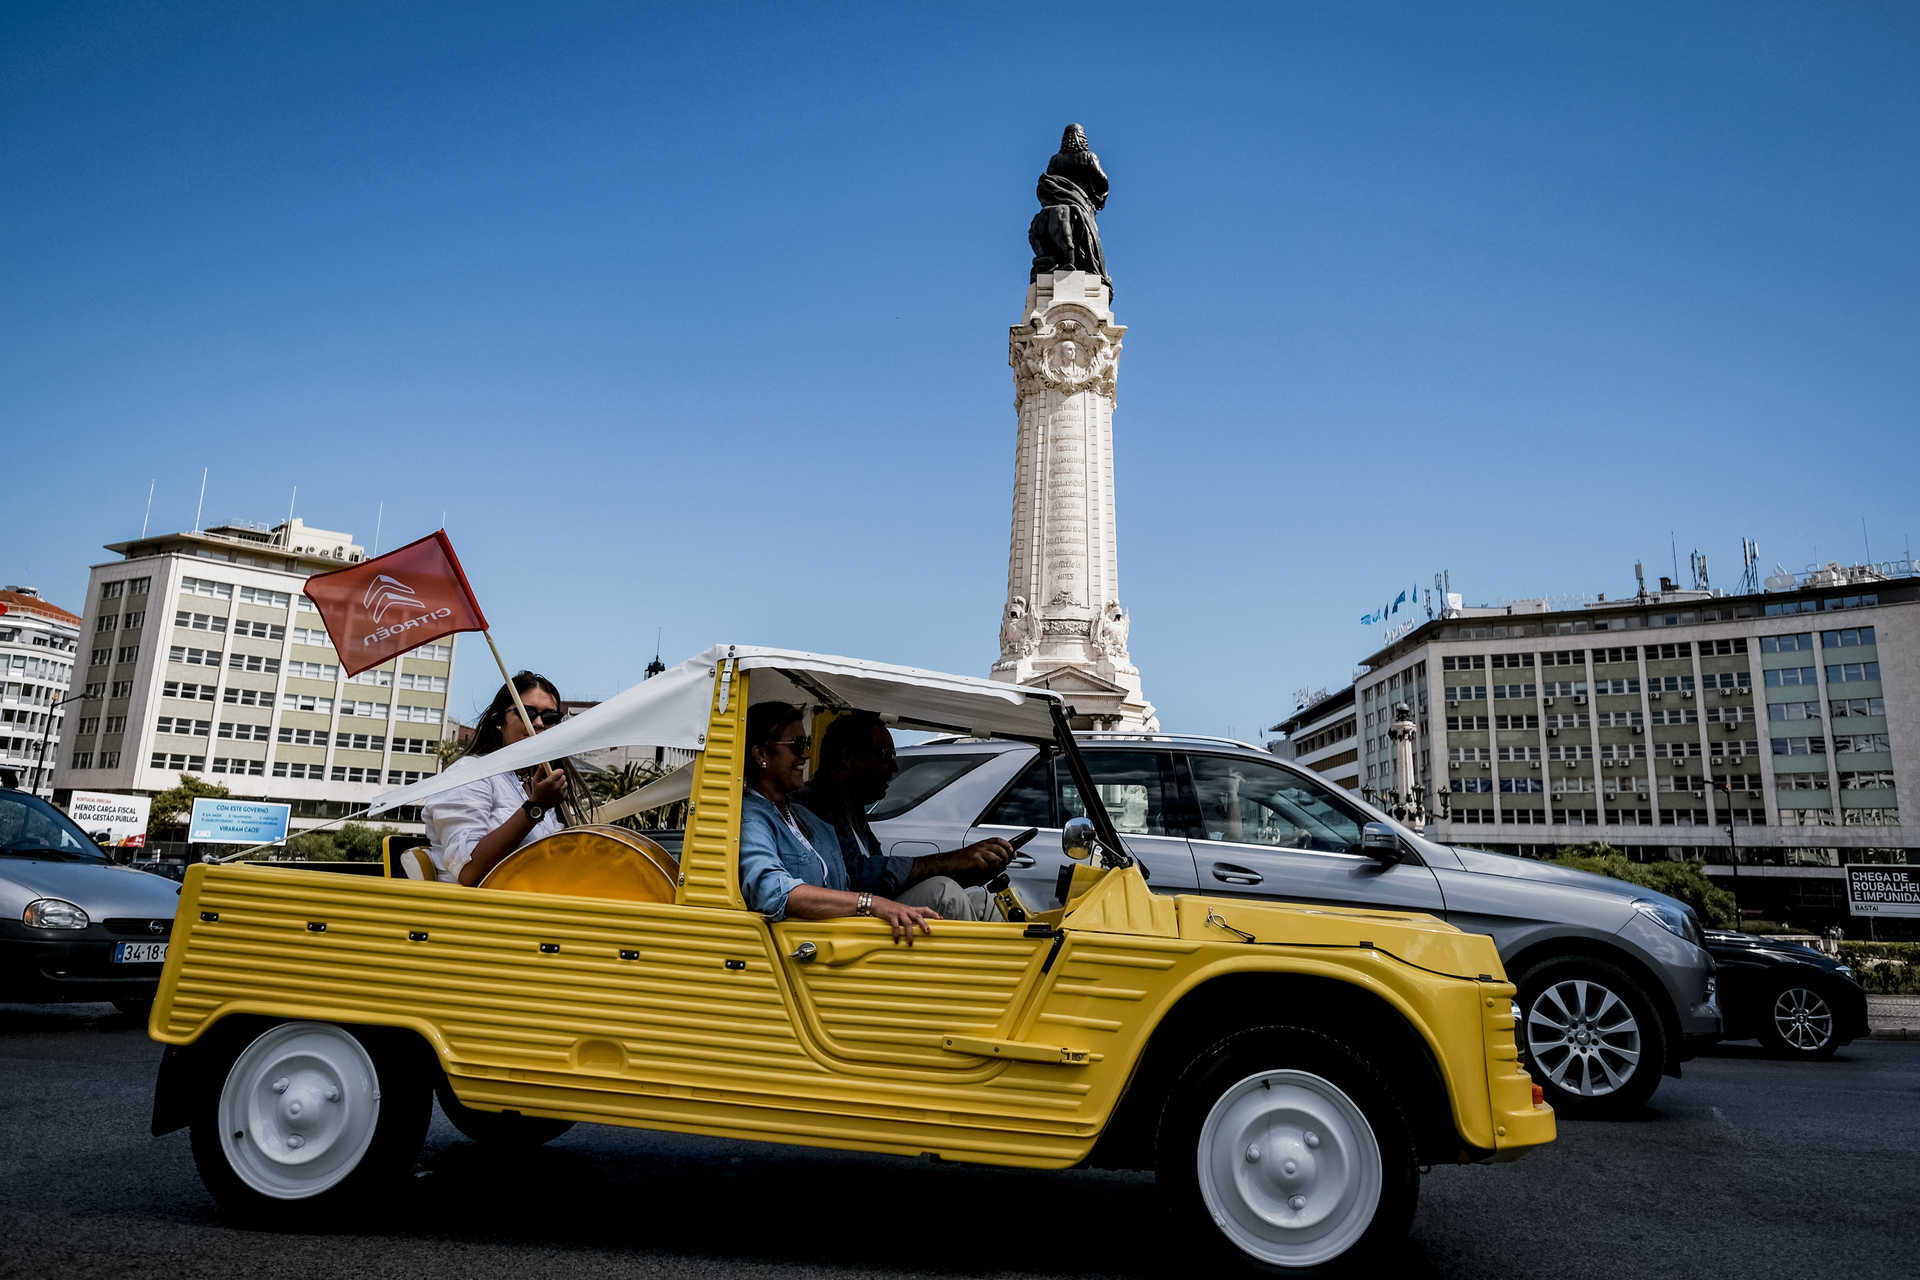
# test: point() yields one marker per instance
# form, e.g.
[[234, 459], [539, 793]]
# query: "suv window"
[[1249, 802], [1133, 787], [919, 777], [1029, 801]]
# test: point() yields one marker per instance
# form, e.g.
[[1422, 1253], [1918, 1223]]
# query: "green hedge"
[[1884, 968], [1686, 881]]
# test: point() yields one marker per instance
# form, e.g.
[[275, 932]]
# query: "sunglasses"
[[799, 746], [546, 719]]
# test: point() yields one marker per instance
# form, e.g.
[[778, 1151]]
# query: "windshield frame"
[[87, 852]]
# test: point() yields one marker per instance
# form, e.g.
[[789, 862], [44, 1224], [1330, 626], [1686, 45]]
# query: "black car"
[[1798, 1002]]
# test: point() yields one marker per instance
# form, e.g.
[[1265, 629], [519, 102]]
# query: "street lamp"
[[46, 731], [1733, 848]]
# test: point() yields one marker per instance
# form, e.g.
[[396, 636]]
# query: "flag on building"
[[383, 607]]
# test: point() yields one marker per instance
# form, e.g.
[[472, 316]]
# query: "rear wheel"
[[507, 1129], [309, 1118], [1591, 1037], [1799, 1021], [1285, 1153]]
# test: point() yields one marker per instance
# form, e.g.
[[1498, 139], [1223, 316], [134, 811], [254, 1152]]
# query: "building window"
[[354, 773], [235, 764], [193, 657], [204, 587], [1852, 672], [1785, 677], [312, 635], [176, 761], [260, 630], [299, 769], [1853, 742], [360, 741], [253, 662], [200, 621], [122, 689], [1847, 637], [112, 590], [116, 724], [83, 759], [183, 725], [312, 670], [438, 684], [240, 731], [306, 702], [1848, 708], [1802, 642], [1799, 746], [417, 715], [138, 586], [260, 595], [405, 777], [105, 622]]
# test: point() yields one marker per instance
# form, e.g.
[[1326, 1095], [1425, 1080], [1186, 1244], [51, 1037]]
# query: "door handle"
[[1020, 861], [1228, 873], [805, 952]]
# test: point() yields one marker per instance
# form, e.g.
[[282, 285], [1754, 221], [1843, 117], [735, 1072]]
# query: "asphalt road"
[[1747, 1167]]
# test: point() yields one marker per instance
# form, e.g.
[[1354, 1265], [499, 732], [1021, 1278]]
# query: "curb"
[[1895, 1033]]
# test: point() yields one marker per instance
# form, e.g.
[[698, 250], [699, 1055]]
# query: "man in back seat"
[[855, 765]]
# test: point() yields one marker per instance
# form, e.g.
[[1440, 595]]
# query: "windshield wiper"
[[42, 851]]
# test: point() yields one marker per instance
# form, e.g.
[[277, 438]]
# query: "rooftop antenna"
[[1750, 557], [149, 515], [290, 501], [1863, 539], [1673, 545], [1640, 577], [379, 520], [1698, 563], [203, 500], [655, 667]]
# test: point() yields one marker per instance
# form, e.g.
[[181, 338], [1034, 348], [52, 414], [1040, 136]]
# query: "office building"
[[203, 658], [1658, 722], [37, 645]]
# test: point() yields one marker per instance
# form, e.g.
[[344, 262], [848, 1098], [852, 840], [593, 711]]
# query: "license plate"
[[139, 952]]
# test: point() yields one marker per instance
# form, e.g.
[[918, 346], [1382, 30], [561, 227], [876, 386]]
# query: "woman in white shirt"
[[474, 826]]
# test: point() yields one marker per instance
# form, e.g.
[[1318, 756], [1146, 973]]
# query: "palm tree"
[[607, 785]]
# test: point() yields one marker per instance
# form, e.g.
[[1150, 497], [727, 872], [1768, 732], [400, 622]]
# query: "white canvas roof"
[[671, 710]]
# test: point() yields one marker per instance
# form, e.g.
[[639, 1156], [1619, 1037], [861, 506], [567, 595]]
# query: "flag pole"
[[521, 707]]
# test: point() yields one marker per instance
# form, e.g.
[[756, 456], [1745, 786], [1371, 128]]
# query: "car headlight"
[[1844, 970], [54, 913], [1675, 920]]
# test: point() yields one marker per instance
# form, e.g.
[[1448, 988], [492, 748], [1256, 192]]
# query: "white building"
[[37, 644], [205, 659]]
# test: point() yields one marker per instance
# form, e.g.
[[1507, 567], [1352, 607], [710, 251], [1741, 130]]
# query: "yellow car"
[[1285, 1071]]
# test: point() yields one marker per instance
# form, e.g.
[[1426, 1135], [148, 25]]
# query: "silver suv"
[[1615, 983]]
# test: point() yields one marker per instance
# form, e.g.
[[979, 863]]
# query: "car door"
[[1267, 832], [1140, 791]]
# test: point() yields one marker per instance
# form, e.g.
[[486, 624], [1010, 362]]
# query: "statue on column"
[[1072, 191]]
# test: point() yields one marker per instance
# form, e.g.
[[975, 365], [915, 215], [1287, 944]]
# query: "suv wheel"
[[308, 1118], [1284, 1152], [1591, 1037], [1799, 1021]]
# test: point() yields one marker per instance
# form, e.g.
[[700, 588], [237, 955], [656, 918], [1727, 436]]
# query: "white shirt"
[[461, 818]]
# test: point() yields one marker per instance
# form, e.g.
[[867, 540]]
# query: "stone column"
[[1063, 626]]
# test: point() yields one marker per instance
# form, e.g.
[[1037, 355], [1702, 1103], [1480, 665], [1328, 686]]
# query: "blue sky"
[[693, 318]]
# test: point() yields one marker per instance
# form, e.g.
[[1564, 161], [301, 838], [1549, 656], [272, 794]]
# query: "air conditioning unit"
[[1686, 693], [1639, 728], [1454, 765], [1553, 733], [1453, 702], [1753, 795], [1533, 764], [1580, 700], [1549, 701], [1698, 794]]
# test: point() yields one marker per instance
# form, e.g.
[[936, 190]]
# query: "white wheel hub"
[[298, 1110], [1289, 1168]]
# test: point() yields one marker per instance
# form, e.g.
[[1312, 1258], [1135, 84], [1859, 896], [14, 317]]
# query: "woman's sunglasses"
[[546, 719], [799, 746]]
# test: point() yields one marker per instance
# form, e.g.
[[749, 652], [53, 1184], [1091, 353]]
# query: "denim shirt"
[[773, 860]]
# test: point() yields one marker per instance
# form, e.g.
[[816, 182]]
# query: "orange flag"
[[383, 607]]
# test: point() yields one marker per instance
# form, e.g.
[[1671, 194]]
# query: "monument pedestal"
[[1063, 627]]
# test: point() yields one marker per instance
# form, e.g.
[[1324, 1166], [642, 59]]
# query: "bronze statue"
[[1063, 234]]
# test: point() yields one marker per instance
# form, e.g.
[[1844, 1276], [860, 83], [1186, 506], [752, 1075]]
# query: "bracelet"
[[863, 905]]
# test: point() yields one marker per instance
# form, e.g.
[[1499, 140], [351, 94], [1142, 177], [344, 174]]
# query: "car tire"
[[307, 1120], [1591, 1037], [1281, 1151], [504, 1129], [1797, 1020]]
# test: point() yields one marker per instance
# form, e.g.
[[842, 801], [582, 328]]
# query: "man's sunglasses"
[[546, 719]]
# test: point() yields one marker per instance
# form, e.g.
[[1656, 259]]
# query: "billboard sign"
[[1883, 890], [237, 822], [123, 818]]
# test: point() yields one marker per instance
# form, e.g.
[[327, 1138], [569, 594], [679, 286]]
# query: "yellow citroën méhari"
[[1285, 1071]]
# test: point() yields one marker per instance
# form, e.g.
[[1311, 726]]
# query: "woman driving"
[[474, 826], [790, 861]]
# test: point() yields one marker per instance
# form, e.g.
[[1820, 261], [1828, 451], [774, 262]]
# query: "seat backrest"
[[406, 858]]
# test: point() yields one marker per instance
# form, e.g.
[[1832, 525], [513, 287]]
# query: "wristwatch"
[[534, 810], [863, 905]]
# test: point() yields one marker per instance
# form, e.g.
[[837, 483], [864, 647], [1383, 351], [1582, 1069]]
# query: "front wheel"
[[1800, 1022], [1285, 1153], [1591, 1037], [310, 1118]]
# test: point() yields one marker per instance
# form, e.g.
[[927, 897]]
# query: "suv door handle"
[[1228, 873], [1020, 861]]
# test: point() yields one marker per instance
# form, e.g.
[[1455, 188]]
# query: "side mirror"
[[1076, 839], [1379, 841]]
